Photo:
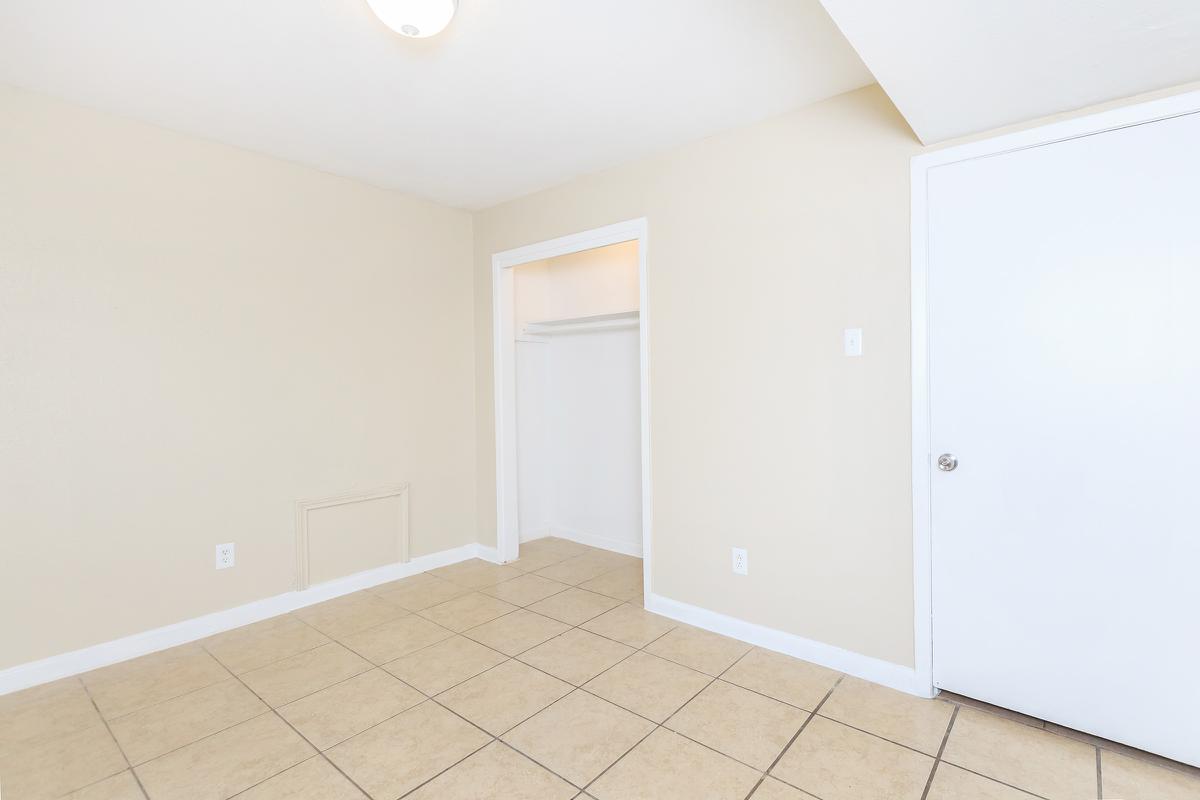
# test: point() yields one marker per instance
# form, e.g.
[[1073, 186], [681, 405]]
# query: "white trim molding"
[[922, 165], [603, 542], [34, 673], [303, 507], [876, 670], [504, 382]]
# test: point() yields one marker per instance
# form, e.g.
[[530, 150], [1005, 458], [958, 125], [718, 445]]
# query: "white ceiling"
[[955, 67], [515, 96]]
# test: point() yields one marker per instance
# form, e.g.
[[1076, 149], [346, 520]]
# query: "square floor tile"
[[467, 611], [124, 688], [739, 723], [532, 562], [516, 632], [553, 544], [623, 583], [45, 712], [396, 638], [612, 560], [496, 773], [1131, 779], [122, 786], [1043, 763], [417, 595], [49, 768], [575, 606], [577, 569], [701, 650], [335, 714], [579, 737], [771, 789], [836, 762], [576, 656], [629, 625], [400, 754], [262, 643], [476, 573], [504, 696], [666, 766], [229, 762], [349, 614], [447, 663], [791, 680], [292, 678], [911, 721], [648, 685], [525, 590], [952, 783], [315, 779], [161, 728]]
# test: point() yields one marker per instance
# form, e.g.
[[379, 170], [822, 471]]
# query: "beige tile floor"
[[541, 679]]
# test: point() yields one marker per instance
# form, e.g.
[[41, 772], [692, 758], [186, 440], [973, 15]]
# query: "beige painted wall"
[[192, 338], [764, 244]]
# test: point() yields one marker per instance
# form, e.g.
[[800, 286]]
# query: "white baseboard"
[[533, 536], [487, 554], [868, 668], [603, 542], [49, 669]]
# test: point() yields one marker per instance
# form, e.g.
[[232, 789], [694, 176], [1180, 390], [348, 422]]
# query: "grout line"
[[128, 714], [255, 785], [657, 725], [327, 641], [937, 760], [757, 784], [117, 742], [491, 740], [792, 741], [323, 688], [525, 755], [256, 715], [737, 661], [811, 716], [620, 758], [875, 735], [996, 780], [320, 753]]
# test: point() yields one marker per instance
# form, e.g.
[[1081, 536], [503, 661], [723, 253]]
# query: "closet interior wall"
[[578, 398]]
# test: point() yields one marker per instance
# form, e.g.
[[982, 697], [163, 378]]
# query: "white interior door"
[[1064, 325]]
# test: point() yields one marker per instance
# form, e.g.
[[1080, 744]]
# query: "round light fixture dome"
[[415, 18]]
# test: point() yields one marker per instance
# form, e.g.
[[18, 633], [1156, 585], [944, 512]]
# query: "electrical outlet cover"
[[225, 556], [741, 561]]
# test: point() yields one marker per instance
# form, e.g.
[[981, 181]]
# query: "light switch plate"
[[852, 341]]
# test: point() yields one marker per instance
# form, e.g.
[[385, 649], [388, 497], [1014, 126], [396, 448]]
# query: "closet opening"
[[572, 400]]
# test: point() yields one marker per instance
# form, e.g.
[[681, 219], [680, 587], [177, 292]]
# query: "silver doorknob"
[[947, 462]]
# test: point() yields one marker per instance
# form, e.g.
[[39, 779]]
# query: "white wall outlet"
[[852, 341], [225, 556], [741, 562]]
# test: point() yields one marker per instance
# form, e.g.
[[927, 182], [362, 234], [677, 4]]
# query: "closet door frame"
[[504, 379], [922, 456]]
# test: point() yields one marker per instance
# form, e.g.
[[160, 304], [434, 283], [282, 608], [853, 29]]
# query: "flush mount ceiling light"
[[415, 18]]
